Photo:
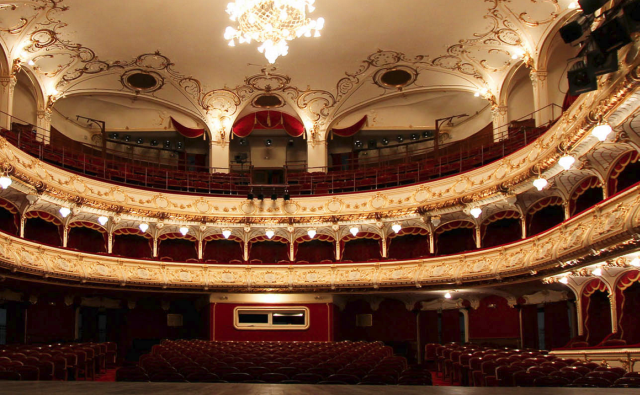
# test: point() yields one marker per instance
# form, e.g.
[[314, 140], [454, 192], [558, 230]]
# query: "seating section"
[[187, 178], [274, 362], [64, 362], [473, 365]]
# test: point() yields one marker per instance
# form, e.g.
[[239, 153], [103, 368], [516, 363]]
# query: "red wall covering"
[[392, 322], [501, 322], [222, 251], [320, 324], [408, 246], [47, 323]]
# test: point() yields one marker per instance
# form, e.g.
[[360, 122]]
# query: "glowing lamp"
[[396, 227], [597, 272], [65, 211], [270, 233], [143, 227], [184, 230], [5, 181], [103, 220], [566, 161], [564, 280], [540, 183], [635, 262], [311, 233], [447, 295], [476, 211], [601, 131], [354, 231], [226, 233]]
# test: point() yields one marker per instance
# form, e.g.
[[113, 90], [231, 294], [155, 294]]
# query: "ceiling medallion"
[[139, 80], [268, 101], [271, 22], [395, 77]]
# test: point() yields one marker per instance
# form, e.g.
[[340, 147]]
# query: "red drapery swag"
[[306, 238], [132, 231], [351, 130], [268, 120], [222, 255], [8, 206], [591, 182], [497, 217], [360, 235], [621, 164], [167, 236], [45, 216], [595, 285], [185, 131], [455, 225], [221, 237], [86, 224], [275, 238], [542, 203], [403, 250], [408, 231]]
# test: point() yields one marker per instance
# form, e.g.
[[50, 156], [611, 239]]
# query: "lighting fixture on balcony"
[[269, 233], [143, 227], [5, 181], [65, 211], [635, 262], [354, 231], [601, 131], [103, 220], [396, 227], [564, 280], [597, 271], [540, 183], [311, 233], [476, 211], [272, 23], [566, 161], [447, 295], [184, 230], [226, 233]]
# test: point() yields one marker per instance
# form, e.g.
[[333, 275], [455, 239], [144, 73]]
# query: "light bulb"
[[311, 233], [184, 230], [477, 94], [573, 5], [30, 62], [103, 220], [270, 233], [635, 262], [597, 272], [396, 227], [564, 280], [64, 211], [226, 233], [5, 181], [476, 211], [447, 295], [601, 131], [354, 231], [540, 183], [143, 226], [566, 161]]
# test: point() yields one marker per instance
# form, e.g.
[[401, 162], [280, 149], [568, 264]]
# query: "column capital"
[[538, 76]]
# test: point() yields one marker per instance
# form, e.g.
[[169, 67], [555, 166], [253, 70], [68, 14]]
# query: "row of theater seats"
[[56, 361], [416, 169], [473, 365], [275, 362]]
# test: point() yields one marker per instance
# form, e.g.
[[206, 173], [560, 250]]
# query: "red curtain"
[[316, 250], [545, 215], [409, 243], [179, 249], [455, 237], [185, 131], [429, 326], [530, 326], [620, 167], [9, 218], [222, 250], [87, 239], [132, 243], [628, 299], [451, 326], [556, 325], [361, 248], [596, 311], [268, 120], [585, 195], [351, 130], [568, 101], [269, 251], [494, 319], [43, 231], [501, 228]]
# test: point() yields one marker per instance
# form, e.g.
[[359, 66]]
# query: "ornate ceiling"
[[91, 47]]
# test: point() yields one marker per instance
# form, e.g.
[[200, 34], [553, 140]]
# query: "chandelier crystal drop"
[[272, 23]]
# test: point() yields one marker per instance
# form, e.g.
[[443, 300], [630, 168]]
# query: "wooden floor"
[[79, 388]]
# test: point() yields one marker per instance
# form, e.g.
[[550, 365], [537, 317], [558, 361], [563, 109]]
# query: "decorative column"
[[110, 242], [317, 156], [23, 222], [540, 96], [432, 243], [44, 125], [200, 252], [155, 246], [338, 257], [567, 211], [500, 118], [523, 224], [614, 311], [65, 236], [478, 236], [8, 84]]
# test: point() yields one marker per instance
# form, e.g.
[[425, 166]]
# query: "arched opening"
[[43, 227], [455, 237], [624, 173], [265, 250], [409, 243], [501, 228], [628, 299], [585, 196], [87, 237], [217, 249], [132, 243], [596, 312], [25, 102], [520, 99], [361, 248], [9, 218], [321, 249], [544, 215], [177, 247]]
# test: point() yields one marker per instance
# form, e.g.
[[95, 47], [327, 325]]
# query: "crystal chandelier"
[[272, 23]]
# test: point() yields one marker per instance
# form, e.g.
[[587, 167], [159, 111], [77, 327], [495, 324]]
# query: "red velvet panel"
[[361, 250], [315, 251], [391, 322], [557, 331], [320, 325], [8, 222], [500, 232], [545, 219], [47, 323], [178, 249], [494, 322], [597, 321], [408, 246], [41, 231], [132, 246], [268, 120], [269, 251], [185, 131], [222, 251], [530, 326], [455, 241], [450, 326], [87, 240], [629, 319]]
